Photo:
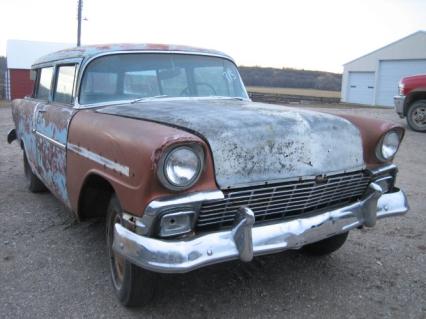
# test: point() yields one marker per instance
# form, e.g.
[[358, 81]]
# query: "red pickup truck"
[[411, 101]]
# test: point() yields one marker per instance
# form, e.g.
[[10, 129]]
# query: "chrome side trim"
[[99, 159], [50, 140], [179, 256]]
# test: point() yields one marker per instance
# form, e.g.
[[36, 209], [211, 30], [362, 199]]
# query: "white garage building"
[[373, 78]]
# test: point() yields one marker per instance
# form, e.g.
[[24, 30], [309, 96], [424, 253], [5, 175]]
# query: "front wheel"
[[133, 286], [416, 116], [326, 246]]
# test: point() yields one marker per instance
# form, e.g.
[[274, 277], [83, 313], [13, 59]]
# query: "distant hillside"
[[290, 78]]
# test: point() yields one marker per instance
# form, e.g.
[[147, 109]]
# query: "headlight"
[[388, 145], [181, 167]]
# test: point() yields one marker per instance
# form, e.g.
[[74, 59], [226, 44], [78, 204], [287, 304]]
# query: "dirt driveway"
[[52, 267]]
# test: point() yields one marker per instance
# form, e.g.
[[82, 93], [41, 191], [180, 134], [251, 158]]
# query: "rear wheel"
[[34, 184], [416, 116], [133, 286], [326, 246]]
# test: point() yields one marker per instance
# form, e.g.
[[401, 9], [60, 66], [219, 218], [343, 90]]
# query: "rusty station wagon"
[[165, 142]]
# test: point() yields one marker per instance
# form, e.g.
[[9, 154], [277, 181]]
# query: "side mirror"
[[33, 75]]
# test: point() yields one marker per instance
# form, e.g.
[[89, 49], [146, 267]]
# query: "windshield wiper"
[[148, 98]]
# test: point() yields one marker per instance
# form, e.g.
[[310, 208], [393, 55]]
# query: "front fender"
[[372, 131], [125, 152]]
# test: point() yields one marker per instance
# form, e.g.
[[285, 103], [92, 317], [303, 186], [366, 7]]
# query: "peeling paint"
[[254, 142], [44, 135]]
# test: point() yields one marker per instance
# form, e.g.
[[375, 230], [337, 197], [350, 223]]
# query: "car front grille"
[[284, 200]]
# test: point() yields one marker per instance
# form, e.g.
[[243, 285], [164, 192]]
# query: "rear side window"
[[43, 87], [65, 84]]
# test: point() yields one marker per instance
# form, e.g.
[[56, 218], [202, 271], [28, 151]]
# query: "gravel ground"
[[53, 267]]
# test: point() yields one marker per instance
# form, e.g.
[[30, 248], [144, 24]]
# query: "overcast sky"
[[304, 34]]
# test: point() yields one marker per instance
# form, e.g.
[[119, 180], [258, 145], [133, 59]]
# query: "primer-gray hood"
[[255, 142]]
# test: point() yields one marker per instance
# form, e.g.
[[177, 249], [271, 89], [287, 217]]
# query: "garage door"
[[390, 72], [361, 87]]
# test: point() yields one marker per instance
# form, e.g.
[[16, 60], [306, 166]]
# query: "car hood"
[[254, 142]]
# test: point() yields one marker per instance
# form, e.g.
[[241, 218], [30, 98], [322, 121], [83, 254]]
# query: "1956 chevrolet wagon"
[[165, 143]]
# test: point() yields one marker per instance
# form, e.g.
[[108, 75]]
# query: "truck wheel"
[[416, 116], [34, 184], [326, 246], [133, 286]]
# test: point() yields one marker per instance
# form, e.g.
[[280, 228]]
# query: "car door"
[[51, 128]]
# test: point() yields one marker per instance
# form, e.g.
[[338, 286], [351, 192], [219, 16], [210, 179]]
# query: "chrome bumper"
[[399, 101], [244, 241]]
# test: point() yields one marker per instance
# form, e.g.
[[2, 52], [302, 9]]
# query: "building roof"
[[21, 54], [87, 52], [418, 34]]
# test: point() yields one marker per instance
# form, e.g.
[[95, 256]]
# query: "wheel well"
[[413, 97], [94, 197]]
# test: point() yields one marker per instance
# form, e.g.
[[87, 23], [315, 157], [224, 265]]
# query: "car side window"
[[65, 84], [44, 82]]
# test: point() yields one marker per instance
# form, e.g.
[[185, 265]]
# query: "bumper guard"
[[245, 241]]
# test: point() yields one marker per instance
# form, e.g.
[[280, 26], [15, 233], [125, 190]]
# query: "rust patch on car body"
[[372, 131], [132, 143]]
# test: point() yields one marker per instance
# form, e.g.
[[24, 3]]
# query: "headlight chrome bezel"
[[162, 175], [379, 147]]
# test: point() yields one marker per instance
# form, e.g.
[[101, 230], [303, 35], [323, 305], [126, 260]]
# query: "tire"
[[416, 116], [326, 246], [133, 286], [34, 184]]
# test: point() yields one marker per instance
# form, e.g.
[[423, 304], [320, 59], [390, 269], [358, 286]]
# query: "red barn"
[[20, 55]]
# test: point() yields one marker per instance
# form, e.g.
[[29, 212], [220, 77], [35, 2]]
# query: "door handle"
[[42, 111]]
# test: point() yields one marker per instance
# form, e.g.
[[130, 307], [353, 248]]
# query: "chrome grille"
[[284, 200]]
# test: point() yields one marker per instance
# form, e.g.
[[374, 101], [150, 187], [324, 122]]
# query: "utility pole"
[[79, 9]]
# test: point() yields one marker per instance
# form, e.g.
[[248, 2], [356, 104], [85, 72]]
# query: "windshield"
[[143, 75]]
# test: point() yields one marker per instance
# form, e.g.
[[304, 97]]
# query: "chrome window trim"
[[85, 63]]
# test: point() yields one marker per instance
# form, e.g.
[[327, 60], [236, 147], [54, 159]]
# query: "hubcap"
[[419, 116]]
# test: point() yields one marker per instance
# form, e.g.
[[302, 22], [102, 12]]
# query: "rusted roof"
[[86, 52]]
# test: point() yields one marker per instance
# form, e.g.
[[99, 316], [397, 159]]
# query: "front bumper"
[[399, 102], [244, 241]]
